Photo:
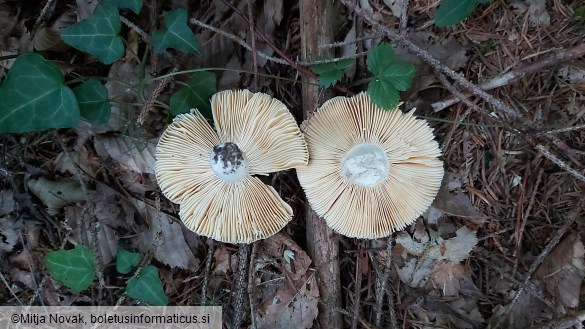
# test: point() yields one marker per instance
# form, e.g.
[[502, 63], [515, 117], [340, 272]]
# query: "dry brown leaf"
[[451, 200], [280, 244], [537, 13], [433, 254], [395, 6], [563, 269], [7, 204], [172, 243], [92, 230], [133, 160], [9, 233], [290, 309], [56, 194]]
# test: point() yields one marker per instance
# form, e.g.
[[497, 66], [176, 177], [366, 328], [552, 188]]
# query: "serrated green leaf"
[[75, 268], [92, 98], [34, 97], [399, 75], [380, 58], [177, 34], [98, 35], [134, 5], [383, 94], [451, 12], [147, 287], [195, 93], [126, 261], [330, 73]]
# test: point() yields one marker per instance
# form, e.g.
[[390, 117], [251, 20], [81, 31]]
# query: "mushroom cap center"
[[365, 164], [228, 162]]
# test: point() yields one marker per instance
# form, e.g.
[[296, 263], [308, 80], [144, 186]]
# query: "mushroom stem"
[[241, 283]]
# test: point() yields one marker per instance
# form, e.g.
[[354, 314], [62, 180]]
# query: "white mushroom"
[[209, 173], [371, 172]]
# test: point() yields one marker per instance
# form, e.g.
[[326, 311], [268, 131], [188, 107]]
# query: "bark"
[[317, 17]]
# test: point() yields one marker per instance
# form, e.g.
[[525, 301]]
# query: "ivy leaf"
[[330, 73], [380, 58], [92, 97], [126, 261], [34, 97], [383, 94], [98, 35], [147, 287], [177, 34], [195, 93], [134, 5], [451, 12], [75, 268]]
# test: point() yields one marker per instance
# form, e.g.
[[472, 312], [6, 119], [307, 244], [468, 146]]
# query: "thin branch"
[[253, 41], [518, 73], [349, 42], [570, 219], [436, 64], [560, 162], [208, 261], [358, 285], [136, 29]]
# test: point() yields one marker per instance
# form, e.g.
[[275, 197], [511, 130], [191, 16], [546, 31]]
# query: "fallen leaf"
[[56, 194], [276, 246], [7, 204], [451, 200], [290, 309], [395, 6], [133, 160], [562, 270]]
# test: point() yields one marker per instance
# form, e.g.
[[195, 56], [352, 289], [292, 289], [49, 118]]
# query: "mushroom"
[[371, 172], [210, 173]]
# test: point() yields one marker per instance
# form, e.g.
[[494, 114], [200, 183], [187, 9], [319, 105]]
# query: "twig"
[[436, 64], [358, 286], [48, 5], [526, 213], [136, 29], [251, 286], [382, 287], [349, 42], [570, 219], [561, 130], [208, 261], [518, 73], [403, 17], [253, 44], [241, 285], [560, 163], [563, 323]]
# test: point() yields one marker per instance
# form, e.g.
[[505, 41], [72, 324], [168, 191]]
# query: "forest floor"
[[501, 246]]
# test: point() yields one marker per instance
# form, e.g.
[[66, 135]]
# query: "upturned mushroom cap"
[[371, 172], [209, 172]]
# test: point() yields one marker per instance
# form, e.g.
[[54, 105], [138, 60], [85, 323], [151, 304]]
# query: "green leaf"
[[380, 58], [134, 5], [389, 76], [74, 268], [399, 75], [98, 35], [383, 94], [34, 97], [147, 287], [451, 12], [126, 261], [92, 97], [331, 73], [195, 94], [177, 34]]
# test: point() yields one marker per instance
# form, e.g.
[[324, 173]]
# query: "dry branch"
[[520, 72]]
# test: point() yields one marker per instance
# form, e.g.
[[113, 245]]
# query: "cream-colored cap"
[[371, 172], [218, 196]]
